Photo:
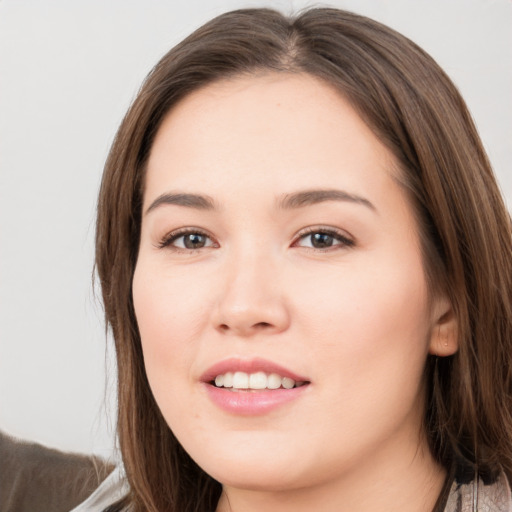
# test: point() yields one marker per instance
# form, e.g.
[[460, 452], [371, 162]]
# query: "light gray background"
[[68, 71]]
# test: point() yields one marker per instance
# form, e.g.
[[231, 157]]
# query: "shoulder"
[[38, 477]]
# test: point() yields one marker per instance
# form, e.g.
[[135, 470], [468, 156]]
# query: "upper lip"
[[253, 365]]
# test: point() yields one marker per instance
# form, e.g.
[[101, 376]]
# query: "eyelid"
[[345, 238], [167, 240]]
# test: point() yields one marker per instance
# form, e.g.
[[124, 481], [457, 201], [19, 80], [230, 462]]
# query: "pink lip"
[[251, 402], [249, 366]]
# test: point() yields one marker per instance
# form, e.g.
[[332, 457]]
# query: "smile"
[[236, 381], [252, 387], [254, 381]]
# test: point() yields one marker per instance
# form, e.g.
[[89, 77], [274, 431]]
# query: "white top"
[[113, 488]]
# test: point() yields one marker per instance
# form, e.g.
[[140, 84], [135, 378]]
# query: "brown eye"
[[321, 239], [187, 240], [194, 241]]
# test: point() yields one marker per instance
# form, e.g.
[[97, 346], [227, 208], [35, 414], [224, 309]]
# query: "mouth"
[[252, 387], [256, 381]]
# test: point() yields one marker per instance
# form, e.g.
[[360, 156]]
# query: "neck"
[[397, 478]]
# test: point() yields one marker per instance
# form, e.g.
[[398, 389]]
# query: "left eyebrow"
[[310, 197]]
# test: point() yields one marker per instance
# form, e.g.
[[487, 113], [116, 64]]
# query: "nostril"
[[256, 327], [262, 325]]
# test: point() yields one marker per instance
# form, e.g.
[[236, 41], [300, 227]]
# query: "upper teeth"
[[258, 380]]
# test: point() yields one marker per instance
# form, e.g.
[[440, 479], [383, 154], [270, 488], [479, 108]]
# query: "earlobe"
[[444, 339]]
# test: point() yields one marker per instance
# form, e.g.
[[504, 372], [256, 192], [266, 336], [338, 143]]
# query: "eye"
[[187, 240], [323, 239]]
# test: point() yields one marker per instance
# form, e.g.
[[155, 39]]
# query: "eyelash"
[[339, 236], [343, 239], [170, 238]]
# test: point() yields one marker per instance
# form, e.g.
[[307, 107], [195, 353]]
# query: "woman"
[[306, 265]]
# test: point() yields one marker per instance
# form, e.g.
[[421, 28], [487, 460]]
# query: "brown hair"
[[413, 107]]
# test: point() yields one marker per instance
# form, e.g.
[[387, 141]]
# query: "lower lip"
[[252, 402]]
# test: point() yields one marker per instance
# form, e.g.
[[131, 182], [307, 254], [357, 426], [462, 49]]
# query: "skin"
[[354, 318]]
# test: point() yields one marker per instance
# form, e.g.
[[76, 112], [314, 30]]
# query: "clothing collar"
[[477, 496]]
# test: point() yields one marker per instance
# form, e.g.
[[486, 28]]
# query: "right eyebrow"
[[196, 201]]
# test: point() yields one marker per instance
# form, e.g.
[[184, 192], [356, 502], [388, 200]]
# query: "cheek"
[[367, 299], [169, 315], [370, 336], [371, 324]]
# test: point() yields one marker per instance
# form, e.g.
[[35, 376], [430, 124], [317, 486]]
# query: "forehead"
[[271, 129]]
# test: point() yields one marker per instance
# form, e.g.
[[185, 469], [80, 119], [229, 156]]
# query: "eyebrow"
[[310, 197], [197, 201], [288, 201]]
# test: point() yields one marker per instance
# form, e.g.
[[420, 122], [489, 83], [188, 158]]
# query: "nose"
[[252, 299]]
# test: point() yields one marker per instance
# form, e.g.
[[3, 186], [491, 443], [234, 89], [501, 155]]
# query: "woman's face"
[[279, 251]]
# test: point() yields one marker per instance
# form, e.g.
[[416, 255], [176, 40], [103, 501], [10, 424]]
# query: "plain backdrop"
[[68, 71]]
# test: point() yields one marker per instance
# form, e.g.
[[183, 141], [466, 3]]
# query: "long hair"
[[416, 111]]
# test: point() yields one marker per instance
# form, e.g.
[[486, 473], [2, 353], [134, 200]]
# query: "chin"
[[258, 478], [259, 466]]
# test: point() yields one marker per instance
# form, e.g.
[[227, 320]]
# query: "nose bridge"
[[251, 277], [251, 299]]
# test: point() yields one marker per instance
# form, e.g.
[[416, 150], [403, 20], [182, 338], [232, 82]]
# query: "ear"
[[444, 336]]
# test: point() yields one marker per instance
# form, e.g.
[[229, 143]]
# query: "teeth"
[[240, 380], [274, 381], [228, 380], [288, 383], [258, 380]]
